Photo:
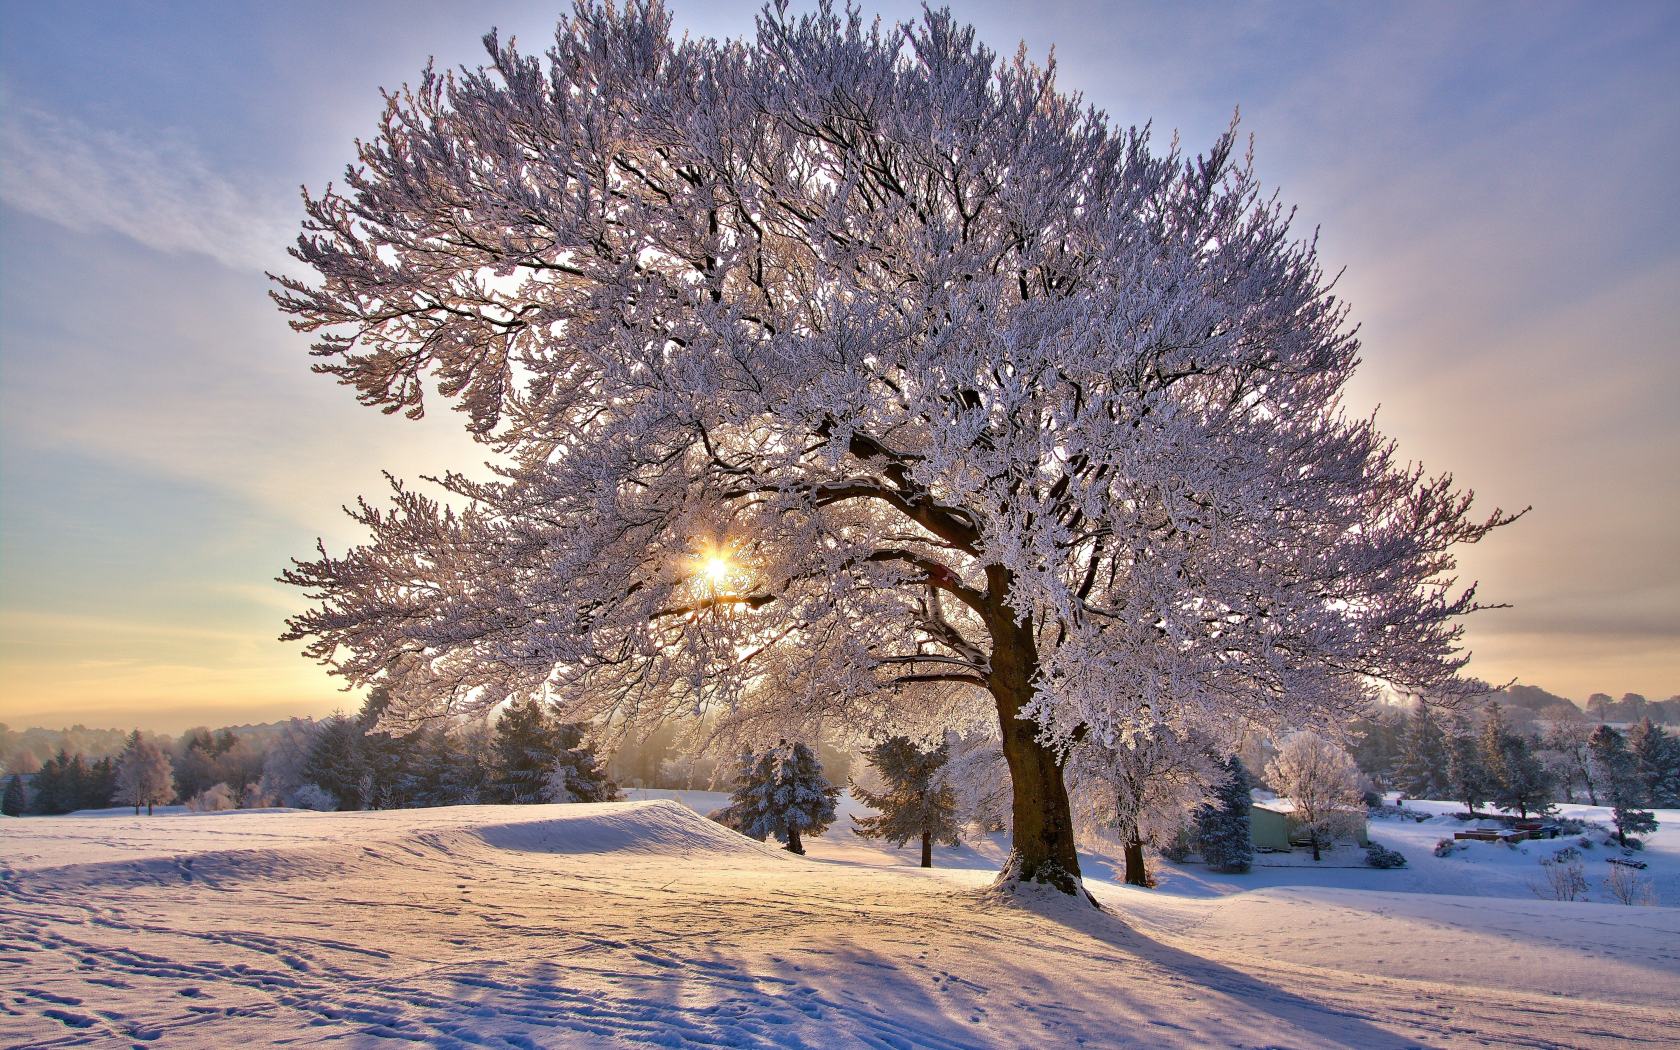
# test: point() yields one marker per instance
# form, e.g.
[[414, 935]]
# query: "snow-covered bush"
[[1383, 857], [313, 796], [212, 800], [1624, 887], [1562, 877], [1446, 847]]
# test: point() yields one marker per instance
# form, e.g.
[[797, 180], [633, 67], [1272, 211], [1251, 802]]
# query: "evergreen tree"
[[1377, 748], [385, 757], [1422, 769], [914, 804], [1224, 832], [62, 785], [1467, 777], [1524, 783], [529, 741], [577, 775], [101, 784], [1620, 770], [781, 793], [12, 805], [143, 776], [336, 762], [1657, 763]]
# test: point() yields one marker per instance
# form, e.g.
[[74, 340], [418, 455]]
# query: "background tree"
[[577, 774], [1564, 750], [528, 743], [915, 804], [336, 762], [1323, 783], [1598, 705], [1422, 769], [16, 799], [781, 794], [144, 775], [1224, 833], [840, 366], [1467, 776], [1656, 763], [1145, 787], [1619, 769]]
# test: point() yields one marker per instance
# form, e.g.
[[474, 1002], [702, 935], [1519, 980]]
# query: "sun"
[[717, 568]]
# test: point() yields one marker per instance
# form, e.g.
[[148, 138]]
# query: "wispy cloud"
[[154, 187]]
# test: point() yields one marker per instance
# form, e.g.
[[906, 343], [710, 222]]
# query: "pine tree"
[[1657, 763], [1525, 783], [914, 804], [1422, 772], [1619, 768], [528, 744], [336, 762], [1377, 748], [1224, 832], [577, 774], [144, 776], [385, 757], [1467, 778], [781, 793], [12, 805]]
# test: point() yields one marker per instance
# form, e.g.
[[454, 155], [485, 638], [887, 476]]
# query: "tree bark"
[[927, 849], [793, 843], [1136, 873], [1043, 850]]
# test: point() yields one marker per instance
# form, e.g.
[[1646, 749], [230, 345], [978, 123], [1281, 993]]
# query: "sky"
[[1494, 182]]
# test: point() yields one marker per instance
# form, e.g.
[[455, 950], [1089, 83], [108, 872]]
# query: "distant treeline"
[[1522, 751]]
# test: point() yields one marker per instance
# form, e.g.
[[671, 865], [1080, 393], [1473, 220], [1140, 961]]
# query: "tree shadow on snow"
[[1321, 1019]]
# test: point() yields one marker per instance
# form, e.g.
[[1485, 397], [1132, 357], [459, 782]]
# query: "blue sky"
[[1496, 180]]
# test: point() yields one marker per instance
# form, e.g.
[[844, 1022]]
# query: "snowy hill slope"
[[631, 924]]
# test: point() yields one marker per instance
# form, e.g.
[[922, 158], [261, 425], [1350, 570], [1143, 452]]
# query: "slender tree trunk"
[[793, 843], [148, 809], [1315, 844], [1136, 873], [927, 849], [1043, 850]]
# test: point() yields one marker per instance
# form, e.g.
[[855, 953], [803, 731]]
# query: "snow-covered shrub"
[[1177, 851], [1633, 843], [1624, 887], [1585, 842], [1446, 847], [212, 800], [1383, 857], [1562, 877], [313, 796]]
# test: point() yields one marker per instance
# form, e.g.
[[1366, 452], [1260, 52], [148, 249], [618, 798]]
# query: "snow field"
[[640, 923]]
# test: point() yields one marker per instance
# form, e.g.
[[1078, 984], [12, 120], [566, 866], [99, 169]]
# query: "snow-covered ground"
[[640, 923]]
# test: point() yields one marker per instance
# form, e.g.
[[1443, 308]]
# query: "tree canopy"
[[851, 376]]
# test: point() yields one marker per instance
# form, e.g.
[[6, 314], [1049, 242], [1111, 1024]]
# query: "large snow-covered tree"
[[850, 376]]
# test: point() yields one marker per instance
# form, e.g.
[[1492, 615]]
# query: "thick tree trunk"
[[1043, 850], [927, 849], [1136, 873], [793, 843]]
